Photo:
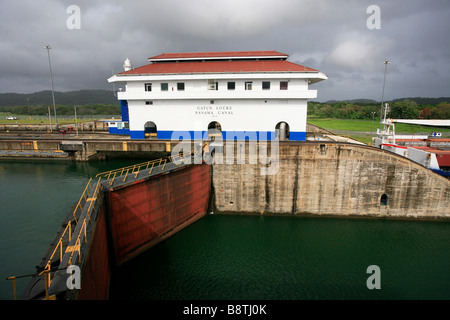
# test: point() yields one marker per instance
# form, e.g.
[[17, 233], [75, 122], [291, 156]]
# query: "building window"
[[148, 87], [231, 85], [266, 85], [180, 86], [164, 87], [248, 85], [212, 84], [283, 85]]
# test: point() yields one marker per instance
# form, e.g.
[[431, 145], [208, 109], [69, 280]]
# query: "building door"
[[282, 131], [214, 130], [150, 130]]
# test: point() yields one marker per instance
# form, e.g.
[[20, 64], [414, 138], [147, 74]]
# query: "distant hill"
[[106, 97], [79, 98], [424, 101], [354, 101], [418, 100]]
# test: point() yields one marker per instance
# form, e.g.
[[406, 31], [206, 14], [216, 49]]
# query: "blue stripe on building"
[[226, 135], [124, 110], [115, 130]]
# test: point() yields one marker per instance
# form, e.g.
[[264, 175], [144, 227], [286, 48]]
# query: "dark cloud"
[[331, 36]]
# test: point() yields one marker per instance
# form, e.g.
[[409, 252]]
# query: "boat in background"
[[431, 151]]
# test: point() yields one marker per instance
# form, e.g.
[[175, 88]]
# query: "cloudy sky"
[[335, 36]]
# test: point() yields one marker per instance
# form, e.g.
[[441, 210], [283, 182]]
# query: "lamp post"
[[386, 62], [373, 115], [76, 120], [51, 78]]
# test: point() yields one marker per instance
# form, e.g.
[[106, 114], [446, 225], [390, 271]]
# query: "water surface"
[[35, 197], [291, 258], [228, 257]]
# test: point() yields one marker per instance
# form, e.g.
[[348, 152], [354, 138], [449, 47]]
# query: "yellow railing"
[[64, 240], [62, 246], [84, 196], [138, 168], [134, 169]]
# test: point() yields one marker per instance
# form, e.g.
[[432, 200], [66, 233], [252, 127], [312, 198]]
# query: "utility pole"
[[51, 78], [49, 119], [373, 114], [386, 62], [76, 120]]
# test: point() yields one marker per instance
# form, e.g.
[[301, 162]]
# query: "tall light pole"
[[51, 78], [373, 115], [386, 62]]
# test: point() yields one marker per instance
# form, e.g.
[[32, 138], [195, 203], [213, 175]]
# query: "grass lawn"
[[366, 126], [34, 121], [42, 119], [361, 129]]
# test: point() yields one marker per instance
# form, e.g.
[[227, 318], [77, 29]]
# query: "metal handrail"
[[138, 168], [83, 195], [60, 243], [107, 174], [135, 169]]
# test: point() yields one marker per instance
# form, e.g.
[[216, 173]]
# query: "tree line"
[[94, 109], [401, 109]]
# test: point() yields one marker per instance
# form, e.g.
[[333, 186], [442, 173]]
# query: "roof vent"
[[127, 65]]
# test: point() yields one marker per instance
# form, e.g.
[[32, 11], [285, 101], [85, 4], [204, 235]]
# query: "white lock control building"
[[246, 95]]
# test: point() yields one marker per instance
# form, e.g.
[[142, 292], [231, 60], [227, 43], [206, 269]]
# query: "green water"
[[289, 258], [35, 197], [229, 257]]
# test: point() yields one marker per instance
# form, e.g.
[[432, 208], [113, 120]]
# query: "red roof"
[[443, 158], [211, 55], [219, 67]]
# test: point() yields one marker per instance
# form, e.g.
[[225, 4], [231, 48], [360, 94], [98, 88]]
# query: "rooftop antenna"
[[114, 85]]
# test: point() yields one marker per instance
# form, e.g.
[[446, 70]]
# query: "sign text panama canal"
[[214, 110]]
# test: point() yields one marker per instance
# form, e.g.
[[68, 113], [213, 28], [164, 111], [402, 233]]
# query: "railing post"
[[60, 250], [13, 278], [85, 226], [47, 283]]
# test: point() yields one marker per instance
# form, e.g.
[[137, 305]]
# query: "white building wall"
[[234, 116], [238, 110]]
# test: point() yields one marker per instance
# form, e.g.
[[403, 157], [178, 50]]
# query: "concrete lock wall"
[[29, 145], [332, 179]]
